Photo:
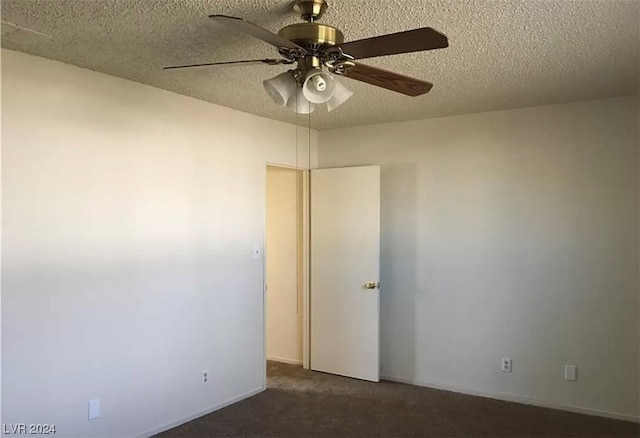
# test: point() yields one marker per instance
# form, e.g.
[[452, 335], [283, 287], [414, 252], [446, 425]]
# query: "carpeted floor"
[[300, 403]]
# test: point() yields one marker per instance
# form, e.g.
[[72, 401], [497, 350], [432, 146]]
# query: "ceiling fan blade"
[[389, 80], [395, 43], [257, 32], [247, 62]]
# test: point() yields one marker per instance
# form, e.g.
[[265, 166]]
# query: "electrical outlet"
[[570, 373], [205, 377], [506, 364]]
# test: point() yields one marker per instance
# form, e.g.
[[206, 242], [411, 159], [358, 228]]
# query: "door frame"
[[306, 219]]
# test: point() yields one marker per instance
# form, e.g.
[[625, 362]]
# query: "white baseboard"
[[514, 398], [188, 418], [283, 360]]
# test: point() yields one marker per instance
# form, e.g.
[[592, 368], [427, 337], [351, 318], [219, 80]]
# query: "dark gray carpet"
[[300, 403]]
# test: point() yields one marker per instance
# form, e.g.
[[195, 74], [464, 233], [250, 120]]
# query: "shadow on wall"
[[398, 228]]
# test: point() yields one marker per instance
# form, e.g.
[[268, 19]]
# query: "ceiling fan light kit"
[[320, 52], [315, 87]]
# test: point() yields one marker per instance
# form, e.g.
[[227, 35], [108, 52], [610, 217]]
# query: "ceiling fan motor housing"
[[314, 37]]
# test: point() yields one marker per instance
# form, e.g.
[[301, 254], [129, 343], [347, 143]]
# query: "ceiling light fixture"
[[299, 104], [340, 95], [281, 88], [318, 87], [301, 92]]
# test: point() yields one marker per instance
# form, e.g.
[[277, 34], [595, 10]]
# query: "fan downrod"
[[310, 10]]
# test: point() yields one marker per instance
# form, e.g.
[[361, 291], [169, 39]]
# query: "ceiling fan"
[[319, 51]]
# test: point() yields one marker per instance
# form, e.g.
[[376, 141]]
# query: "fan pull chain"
[[297, 219]]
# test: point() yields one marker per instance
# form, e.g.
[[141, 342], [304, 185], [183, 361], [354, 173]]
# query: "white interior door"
[[345, 270]]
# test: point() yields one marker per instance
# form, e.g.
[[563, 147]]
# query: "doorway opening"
[[286, 261]]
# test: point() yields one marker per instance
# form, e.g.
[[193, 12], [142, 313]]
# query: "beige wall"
[[284, 276], [129, 219], [127, 258], [510, 234]]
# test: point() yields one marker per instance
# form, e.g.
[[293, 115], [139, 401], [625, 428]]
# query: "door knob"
[[372, 285]]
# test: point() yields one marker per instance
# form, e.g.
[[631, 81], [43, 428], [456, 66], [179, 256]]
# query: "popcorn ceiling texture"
[[502, 54]]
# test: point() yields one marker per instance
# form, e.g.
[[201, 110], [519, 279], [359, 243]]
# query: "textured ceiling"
[[502, 54]]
